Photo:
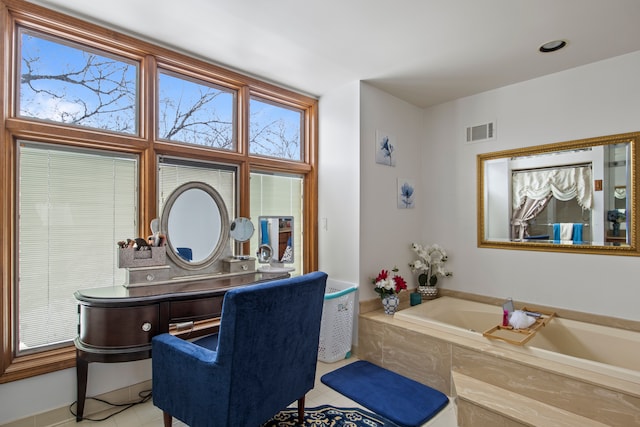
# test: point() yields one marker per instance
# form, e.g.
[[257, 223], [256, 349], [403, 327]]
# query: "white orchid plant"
[[430, 264]]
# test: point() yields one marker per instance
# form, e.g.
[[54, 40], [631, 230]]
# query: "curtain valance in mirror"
[[563, 183]]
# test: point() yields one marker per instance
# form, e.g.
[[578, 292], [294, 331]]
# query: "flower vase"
[[428, 292], [390, 303]]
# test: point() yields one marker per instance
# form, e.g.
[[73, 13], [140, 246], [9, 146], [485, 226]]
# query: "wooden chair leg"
[[168, 419], [300, 411]]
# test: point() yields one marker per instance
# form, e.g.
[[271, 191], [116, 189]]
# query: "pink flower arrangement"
[[386, 284]]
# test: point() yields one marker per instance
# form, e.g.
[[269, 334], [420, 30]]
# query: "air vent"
[[483, 132]]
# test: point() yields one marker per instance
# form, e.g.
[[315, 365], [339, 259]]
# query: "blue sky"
[[55, 58]]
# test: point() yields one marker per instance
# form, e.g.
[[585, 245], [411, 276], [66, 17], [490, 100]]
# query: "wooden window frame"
[[14, 13]]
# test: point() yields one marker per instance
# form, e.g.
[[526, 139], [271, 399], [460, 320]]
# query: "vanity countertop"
[[189, 286]]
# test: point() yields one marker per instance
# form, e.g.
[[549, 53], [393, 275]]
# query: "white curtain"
[[620, 193], [520, 220], [563, 183]]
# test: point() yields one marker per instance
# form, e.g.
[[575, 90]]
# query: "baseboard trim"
[[92, 407]]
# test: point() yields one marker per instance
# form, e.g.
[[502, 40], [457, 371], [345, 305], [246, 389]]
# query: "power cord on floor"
[[144, 395]]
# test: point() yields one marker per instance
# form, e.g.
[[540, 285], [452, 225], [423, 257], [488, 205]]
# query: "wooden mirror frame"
[[602, 249]]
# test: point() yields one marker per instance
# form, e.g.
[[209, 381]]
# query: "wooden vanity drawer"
[[199, 309], [118, 327]]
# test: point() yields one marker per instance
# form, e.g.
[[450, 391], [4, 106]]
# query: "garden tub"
[[600, 349]]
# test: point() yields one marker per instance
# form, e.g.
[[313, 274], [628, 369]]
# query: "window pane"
[[68, 84], [558, 211], [195, 112], [172, 173], [279, 195], [275, 130], [74, 205]]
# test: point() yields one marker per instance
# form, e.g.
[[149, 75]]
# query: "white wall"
[[19, 399], [365, 230], [339, 184], [594, 100], [386, 232]]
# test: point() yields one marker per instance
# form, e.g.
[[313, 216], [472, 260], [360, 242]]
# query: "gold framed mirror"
[[576, 196]]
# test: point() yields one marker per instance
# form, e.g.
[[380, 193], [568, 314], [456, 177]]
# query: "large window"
[[98, 129], [67, 226]]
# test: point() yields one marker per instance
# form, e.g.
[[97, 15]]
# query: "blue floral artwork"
[[385, 149], [406, 194]]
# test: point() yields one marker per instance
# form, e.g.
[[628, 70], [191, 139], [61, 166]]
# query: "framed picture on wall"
[[406, 193], [386, 147]]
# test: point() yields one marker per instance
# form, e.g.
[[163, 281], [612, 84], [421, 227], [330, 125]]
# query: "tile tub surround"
[[585, 345], [463, 364]]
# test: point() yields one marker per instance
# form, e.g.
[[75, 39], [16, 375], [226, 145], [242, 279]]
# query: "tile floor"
[[147, 415]]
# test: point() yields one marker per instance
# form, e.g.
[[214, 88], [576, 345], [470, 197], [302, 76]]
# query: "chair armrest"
[[183, 373], [182, 349]]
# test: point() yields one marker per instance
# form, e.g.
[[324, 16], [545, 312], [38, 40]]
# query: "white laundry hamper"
[[336, 328]]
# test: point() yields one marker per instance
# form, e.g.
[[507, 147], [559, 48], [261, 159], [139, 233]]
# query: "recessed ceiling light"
[[553, 46]]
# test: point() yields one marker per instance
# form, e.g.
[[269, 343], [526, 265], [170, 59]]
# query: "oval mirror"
[[196, 224], [576, 196]]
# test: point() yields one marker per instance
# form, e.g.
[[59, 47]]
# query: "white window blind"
[[279, 195], [173, 172], [73, 205]]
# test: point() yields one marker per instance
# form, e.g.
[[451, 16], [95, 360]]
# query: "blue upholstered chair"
[[263, 359]]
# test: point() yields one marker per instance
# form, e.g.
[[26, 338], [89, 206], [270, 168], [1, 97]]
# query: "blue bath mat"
[[399, 399]]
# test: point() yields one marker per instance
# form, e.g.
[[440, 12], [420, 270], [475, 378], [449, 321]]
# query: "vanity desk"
[[117, 324], [175, 286]]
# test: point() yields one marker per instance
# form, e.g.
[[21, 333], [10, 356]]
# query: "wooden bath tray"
[[519, 336]]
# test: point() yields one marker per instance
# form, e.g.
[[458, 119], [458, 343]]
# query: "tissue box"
[[130, 257]]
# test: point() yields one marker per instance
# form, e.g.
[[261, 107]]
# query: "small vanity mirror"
[[276, 241], [577, 196], [241, 230], [196, 224]]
